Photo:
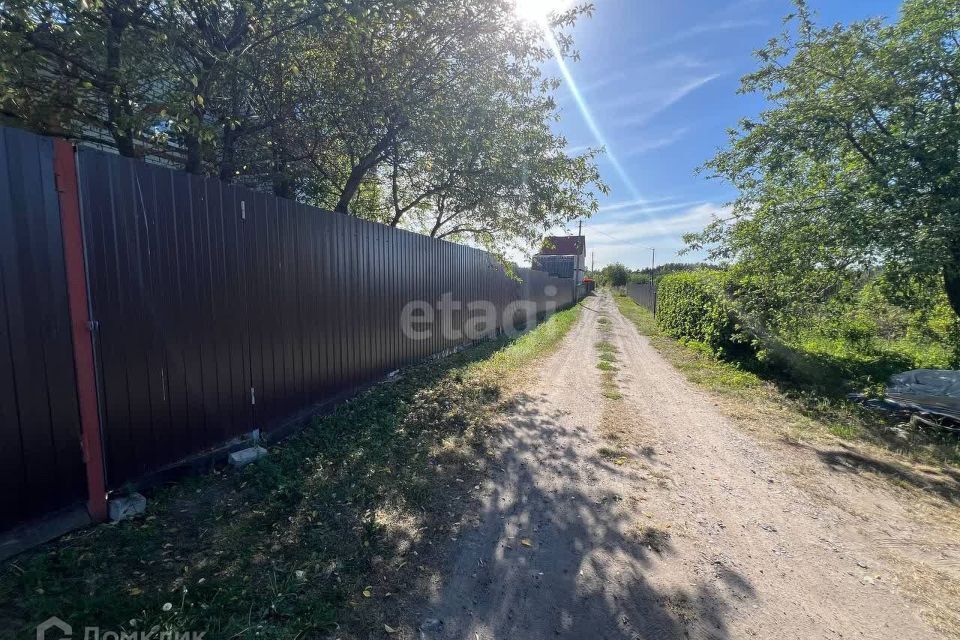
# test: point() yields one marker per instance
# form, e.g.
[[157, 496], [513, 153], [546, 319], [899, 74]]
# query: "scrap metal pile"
[[924, 397]]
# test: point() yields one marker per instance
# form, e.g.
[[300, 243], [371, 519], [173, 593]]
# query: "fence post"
[[65, 170]]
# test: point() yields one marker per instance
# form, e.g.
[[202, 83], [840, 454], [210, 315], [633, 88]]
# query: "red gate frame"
[[65, 171]]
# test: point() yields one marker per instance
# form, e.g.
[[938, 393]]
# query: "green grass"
[[531, 345], [610, 392], [795, 409], [638, 315], [839, 365], [607, 356], [290, 546], [607, 351]]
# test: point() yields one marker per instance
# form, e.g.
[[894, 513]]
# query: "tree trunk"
[[232, 131], [194, 153], [118, 111], [357, 174], [228, 160], [359, 170], [282, 181], [951, 284]]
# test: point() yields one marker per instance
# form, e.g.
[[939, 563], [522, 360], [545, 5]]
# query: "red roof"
[[564, 246]]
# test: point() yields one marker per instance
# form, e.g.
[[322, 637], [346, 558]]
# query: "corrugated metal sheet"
[[222, 310], [41, 466], [557, 266], [644, 294]]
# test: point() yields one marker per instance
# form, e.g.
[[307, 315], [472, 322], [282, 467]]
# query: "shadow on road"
[[560, 552], [945, 483]]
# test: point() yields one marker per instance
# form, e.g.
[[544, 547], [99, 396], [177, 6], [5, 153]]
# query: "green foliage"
[[765, 401], [862, 338], [696, 306], [654, 274], [427, 114], [614, 275], [854, 341], [853, 169]]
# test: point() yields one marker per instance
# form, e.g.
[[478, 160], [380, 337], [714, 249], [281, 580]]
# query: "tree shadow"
[[819, 385], [943, 484], [284, 547], [558, 552]]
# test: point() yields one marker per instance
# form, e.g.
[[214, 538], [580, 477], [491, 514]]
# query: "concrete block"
[[127, 507], [246, 456]]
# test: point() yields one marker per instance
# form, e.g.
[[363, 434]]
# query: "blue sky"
[[660, 81]]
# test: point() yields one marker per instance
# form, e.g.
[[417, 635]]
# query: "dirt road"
[[653, 516]]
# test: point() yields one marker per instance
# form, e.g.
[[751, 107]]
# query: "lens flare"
[[538, 10]]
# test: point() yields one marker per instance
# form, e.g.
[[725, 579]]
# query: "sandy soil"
[[654, 516]]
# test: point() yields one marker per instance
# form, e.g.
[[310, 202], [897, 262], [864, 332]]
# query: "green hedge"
[[695, 306]]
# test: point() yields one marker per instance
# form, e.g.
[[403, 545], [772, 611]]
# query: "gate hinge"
[[253, 396]]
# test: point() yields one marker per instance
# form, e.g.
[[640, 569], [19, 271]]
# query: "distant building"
[[563, 257]]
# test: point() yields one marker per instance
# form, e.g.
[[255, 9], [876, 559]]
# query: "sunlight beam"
[[588, 116]]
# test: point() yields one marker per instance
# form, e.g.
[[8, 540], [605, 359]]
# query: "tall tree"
[[73, 68], [854, 166], [429, 114]]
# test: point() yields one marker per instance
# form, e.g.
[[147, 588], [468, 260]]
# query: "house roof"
[[564, 246]]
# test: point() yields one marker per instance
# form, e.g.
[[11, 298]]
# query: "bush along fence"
[[148, 316], [695, 306], [644, 294]]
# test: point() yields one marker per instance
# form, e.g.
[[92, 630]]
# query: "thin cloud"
[[648, 232], [577, 149], [667, 101], [565, 96], [633, 204], [652, 144], [644, 211], [703, 29], [680, 61]]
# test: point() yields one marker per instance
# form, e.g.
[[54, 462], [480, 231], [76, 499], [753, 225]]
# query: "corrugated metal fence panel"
[[558, 266], [41, 464], [644, 294], [222, 310]]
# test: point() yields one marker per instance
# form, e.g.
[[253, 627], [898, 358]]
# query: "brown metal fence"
[[644, 294], [219, 310], [41, 464]]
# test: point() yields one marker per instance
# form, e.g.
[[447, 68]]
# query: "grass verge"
[[793, 412], [320, 535], [845, 437]]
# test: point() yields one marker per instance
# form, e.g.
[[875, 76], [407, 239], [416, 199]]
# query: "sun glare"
[[538, 10]]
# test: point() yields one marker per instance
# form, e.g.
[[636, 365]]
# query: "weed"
[[658, 540], [612, 394], [607, 354], [607, 453]]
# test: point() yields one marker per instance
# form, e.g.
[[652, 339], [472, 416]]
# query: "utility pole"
[[580, 275], [593, 261], [653, 258]]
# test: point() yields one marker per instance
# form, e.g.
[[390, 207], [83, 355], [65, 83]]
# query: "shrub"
[[695, 306]]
